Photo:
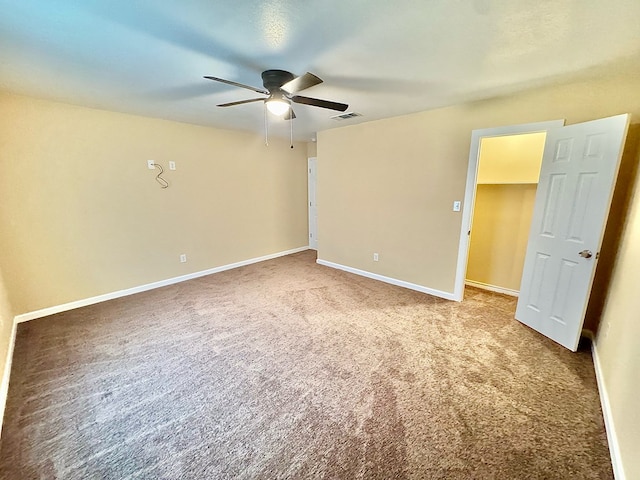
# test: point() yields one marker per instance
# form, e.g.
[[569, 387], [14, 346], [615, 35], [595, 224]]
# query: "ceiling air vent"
[[345, 116]]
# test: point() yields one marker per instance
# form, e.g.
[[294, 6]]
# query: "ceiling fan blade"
[[300, 83], [290, 115], [236, 84], [231, 104], [316, 102]]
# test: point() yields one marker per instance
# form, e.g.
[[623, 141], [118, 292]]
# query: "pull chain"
[[291, 125], [266, 126]]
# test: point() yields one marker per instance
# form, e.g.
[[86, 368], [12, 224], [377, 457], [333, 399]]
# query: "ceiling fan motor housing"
[[274, 79]]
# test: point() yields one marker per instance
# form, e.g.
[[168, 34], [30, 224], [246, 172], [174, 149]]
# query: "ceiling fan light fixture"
[[281, 88], [278, 106]]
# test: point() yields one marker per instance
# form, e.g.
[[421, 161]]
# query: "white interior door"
[[313, 208], [579, 169]]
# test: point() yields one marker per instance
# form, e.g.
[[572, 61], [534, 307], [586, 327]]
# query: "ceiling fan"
[[281, 88]]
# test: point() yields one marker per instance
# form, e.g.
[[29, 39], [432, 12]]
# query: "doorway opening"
[[470, 192], [506, 183]]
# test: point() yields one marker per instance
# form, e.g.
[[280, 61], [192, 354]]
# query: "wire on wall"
[[163, 183]]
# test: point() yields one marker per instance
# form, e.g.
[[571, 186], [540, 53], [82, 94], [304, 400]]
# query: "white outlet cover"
[[456, 205], [151, 165], [172, 165]]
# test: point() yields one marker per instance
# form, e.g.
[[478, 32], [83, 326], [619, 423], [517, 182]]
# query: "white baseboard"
[[612, 438], [392, 281], [4, 385], [492, 288], [150, 286]]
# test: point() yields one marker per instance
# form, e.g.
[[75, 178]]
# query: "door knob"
[[586, 254]]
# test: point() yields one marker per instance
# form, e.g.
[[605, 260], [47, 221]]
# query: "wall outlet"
[[456, 205], [183, 258], [151, 165], [376, 257], [172, 165]]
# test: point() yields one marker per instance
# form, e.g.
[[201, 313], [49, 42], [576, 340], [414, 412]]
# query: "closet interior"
[[507, 179]]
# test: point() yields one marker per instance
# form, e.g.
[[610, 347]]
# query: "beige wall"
[[388, 186], [618, 340], [81, 215], [499, 235], [511, 158]]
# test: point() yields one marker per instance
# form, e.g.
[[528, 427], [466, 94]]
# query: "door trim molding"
[[470, 189]]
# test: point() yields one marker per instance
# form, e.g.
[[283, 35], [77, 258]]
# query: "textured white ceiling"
[[383, 58]]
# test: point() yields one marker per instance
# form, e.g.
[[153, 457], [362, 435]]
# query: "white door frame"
[[470, 190], [312, 188]]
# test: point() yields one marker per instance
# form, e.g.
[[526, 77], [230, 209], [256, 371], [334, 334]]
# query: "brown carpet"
[[287, 369]]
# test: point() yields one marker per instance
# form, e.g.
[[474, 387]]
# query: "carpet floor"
[[286, 369]]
